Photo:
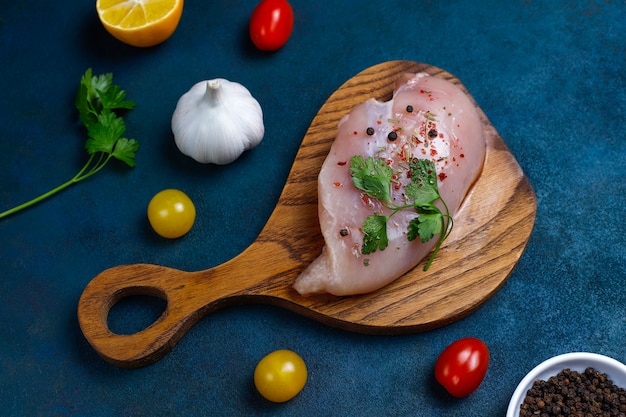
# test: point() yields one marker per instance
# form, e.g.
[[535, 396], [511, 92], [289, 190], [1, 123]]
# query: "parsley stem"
[[445, 232], [100, 163], [442, 237], [84, 168], [81, 175], [38, 199]]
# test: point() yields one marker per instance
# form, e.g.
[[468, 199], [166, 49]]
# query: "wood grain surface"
[[490, 234]]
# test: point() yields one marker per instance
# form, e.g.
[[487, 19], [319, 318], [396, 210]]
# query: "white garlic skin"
[[216, 121]]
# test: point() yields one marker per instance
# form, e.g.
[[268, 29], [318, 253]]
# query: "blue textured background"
[[550, 75]]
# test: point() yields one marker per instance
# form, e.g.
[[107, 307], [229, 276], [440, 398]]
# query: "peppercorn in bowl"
[[572, 383]]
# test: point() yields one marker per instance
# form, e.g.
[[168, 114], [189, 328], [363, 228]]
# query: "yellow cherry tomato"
[[280, 376], [171, 213]]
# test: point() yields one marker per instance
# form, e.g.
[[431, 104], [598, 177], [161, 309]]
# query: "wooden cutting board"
[[489, 236]]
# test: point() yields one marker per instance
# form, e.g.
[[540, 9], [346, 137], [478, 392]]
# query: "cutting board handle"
[[190, 296], [184, 308]]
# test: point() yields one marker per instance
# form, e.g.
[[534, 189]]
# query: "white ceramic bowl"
[[576, 361]]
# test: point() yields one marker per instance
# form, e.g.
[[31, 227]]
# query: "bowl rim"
[[607, 365]]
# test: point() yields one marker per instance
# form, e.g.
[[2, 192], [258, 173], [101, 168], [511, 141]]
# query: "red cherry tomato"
[[462, 366], [271, 24]]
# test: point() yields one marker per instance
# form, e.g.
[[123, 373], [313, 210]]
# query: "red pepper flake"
[[462, 155], [380, 122], [442, 176], [433, 152], [341, 163], [355, 133], [337, 184]]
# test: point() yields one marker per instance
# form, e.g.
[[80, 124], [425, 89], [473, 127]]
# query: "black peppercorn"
[[392, 136], [343, 232], [409, 108], [432, 133], [370, 131]]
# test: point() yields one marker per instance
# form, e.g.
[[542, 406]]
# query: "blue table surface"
[[550, 75]]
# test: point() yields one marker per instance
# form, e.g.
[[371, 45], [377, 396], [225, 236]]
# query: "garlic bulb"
[[216, 121]]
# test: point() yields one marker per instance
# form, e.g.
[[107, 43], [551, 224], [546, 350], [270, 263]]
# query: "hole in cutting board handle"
[[134, 313], [134, 309]]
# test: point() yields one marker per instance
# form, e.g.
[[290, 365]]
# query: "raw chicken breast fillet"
[[432, 118]]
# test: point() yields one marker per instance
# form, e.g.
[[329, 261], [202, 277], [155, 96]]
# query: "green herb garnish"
[[99, 103], [373, 176]]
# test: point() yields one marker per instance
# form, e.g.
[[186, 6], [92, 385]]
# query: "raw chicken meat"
[[431, 118]]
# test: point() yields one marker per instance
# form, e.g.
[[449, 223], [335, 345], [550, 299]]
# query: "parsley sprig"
[[374, 176], [99, 103]]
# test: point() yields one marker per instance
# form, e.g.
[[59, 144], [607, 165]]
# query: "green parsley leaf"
[[375, 231], [98, 83], [104, 134], [424, 172], [425, 225], [421, 193], [373, 176], [125, 150], [97, 94], [98, 102], [114, 98], [87, 115]]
